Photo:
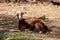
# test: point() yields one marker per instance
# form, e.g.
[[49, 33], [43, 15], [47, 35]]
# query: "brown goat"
[[35, 25]]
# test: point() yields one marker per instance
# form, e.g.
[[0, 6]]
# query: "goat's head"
[[19, 15]]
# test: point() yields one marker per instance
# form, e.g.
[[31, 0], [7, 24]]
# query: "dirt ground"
[[9, 21], [31, 10]]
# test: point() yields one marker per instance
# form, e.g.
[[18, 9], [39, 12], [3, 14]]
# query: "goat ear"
[[17, 16], [22, 13]]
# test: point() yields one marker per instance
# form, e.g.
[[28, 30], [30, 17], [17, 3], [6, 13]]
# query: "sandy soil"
[[31, 10]]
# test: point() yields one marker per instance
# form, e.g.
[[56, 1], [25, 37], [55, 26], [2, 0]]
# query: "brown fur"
[[36, 25], [39, 26], [23, 25]]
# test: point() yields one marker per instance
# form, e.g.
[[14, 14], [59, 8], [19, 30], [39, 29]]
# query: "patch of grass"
[[18, 36], [3, 34]]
